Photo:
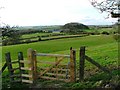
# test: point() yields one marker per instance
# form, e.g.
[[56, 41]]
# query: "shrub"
[[106, 33]]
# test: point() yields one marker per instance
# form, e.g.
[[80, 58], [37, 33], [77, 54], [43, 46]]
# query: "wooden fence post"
[[81, 63], [20, 57], [32, 64], [9, 64], [35, 65], [72, 65]]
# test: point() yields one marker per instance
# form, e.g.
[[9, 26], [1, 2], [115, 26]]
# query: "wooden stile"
[[31, 64], [20, 58], [51, 66], [72, 65], [35, 65], [81, 63], [8, 61]]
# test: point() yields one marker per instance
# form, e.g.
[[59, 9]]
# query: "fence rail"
[[52, 55], [56, 71]]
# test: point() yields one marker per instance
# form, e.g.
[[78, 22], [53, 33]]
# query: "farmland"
[[102, 48]]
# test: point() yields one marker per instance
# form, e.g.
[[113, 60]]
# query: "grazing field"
[[102, 48], [96, 45]]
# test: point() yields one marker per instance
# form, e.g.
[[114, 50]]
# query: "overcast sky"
[[50, 12]]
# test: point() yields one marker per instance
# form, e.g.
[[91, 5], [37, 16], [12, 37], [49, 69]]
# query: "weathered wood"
[[58, 75], [25, 62], [51, 66], [98, 65], [8, 60], [50, 78], [31, 64], [26, 75], [27, 81], [72, 65], [53, 55], [26, 68], [18, 75], [54, 69], [81, 63], [20, 58], [35, 65], [3, 68]]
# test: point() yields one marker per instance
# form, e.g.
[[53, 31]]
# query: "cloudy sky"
[[50, 12]]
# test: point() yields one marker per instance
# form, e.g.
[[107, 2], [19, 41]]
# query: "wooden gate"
[[57, 69]]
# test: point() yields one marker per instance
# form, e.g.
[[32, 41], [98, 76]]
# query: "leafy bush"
[[106, 33]]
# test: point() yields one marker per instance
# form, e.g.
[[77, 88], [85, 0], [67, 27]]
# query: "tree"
[[110, 6], [9, 35]]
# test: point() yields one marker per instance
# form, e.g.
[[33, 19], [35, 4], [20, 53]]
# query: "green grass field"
[[102, 48], [97, 46]]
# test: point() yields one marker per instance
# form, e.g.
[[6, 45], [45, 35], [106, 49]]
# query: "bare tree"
[[110, 6]]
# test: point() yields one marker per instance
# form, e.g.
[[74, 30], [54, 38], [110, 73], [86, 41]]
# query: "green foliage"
[[105, 32], [74, 28], [9, 35]]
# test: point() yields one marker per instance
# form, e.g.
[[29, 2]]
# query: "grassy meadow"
[[98, 47], [102, 48]]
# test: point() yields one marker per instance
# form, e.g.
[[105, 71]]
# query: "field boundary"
[[53, 71]]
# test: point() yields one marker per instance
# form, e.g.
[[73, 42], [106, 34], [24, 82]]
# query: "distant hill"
[[74, 27]]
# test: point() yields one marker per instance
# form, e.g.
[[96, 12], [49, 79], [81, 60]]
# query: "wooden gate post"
[[20, 57], [72, 65], [32, 64], [35, 65], [81, 63], [9, 64]]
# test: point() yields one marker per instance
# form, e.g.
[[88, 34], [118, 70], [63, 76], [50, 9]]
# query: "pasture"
[[97, 46], [102, 48]]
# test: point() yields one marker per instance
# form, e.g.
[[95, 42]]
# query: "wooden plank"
[[35, 65], [54, 69], [45, 62], [53, 55], [81, 63], [20, 58], [60, 75], [3, 68], [72, 65], [50, 78], [25, 68], [25, 62], [62, 65], [31, 64], [27, 81], [18, 75], [25, 75], [8, 60], [98, 65], [52, 66]]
